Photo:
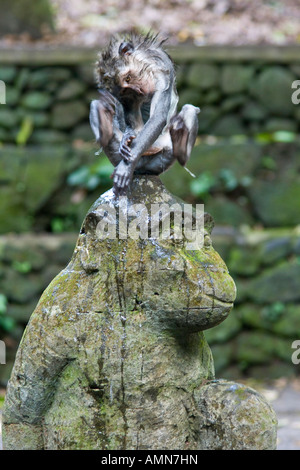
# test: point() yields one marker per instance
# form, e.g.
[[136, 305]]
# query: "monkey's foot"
[[183, 131], [179, 135]]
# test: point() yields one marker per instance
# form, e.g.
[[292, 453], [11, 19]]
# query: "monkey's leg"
[[101, 117], [108, 124], [183, 131]]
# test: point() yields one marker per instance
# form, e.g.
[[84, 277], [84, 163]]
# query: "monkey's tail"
[[192, 174]]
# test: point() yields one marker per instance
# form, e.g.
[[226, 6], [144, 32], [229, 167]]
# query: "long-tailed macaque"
[[135, 119]]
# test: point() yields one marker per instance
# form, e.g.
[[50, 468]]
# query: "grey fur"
[[135, 119]]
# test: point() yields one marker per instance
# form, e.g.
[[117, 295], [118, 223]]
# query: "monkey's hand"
[[124, 148], [122, 177]]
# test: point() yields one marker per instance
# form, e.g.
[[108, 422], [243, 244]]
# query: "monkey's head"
[[126, 67], [135, 78]]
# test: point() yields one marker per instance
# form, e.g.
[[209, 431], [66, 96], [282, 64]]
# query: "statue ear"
[[126, 48]]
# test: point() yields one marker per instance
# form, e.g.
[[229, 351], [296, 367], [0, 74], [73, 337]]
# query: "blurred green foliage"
[[273, 312], [22, 267], [279, 136], [91, 176], [25, 131], [6, 323], [202, 185]]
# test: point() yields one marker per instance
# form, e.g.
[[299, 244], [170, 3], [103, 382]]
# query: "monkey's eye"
[[128, 78]]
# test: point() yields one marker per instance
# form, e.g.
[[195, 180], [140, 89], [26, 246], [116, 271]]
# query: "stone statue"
[[114, 356]]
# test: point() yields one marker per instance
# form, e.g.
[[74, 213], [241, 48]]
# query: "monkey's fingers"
[[118, 188], [130, 139], [126, 158], [124, 183], [125, 152]]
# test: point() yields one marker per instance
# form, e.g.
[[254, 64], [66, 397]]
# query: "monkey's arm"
[[160, 106], [159, 110]]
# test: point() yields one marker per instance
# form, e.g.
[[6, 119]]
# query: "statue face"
[[176, 287], [179, 289]]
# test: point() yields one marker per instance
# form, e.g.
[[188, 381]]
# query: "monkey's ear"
[[126, 48]]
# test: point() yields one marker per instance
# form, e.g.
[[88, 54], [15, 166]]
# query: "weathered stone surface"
[[280, 284], [275, 203], [244, 261], [51, 136], [12, 216], [212, 96], [42, 175], [21, 312], [41, 77], [30, 180], [66, 115], [207, 117], [261, 347], [23, 78], [20, 288], [8, 73], [222, 354], [84, 132], [4, 135], [8, 118], [221, 401], [254, 111], [288, 324], [36, 100], [233, 102], [228, 125], [33, 257], [273, 88], [285, 323], [236, 78], [70, 90], [275, 249], [38, 118], [12, 96], [189, 96], [203, 76], [86, 73], [114, 356], [227, 212], [225, 331]]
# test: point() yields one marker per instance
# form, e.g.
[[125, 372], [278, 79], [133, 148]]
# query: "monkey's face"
[[127, 76], [136, 82], [130, 83]]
